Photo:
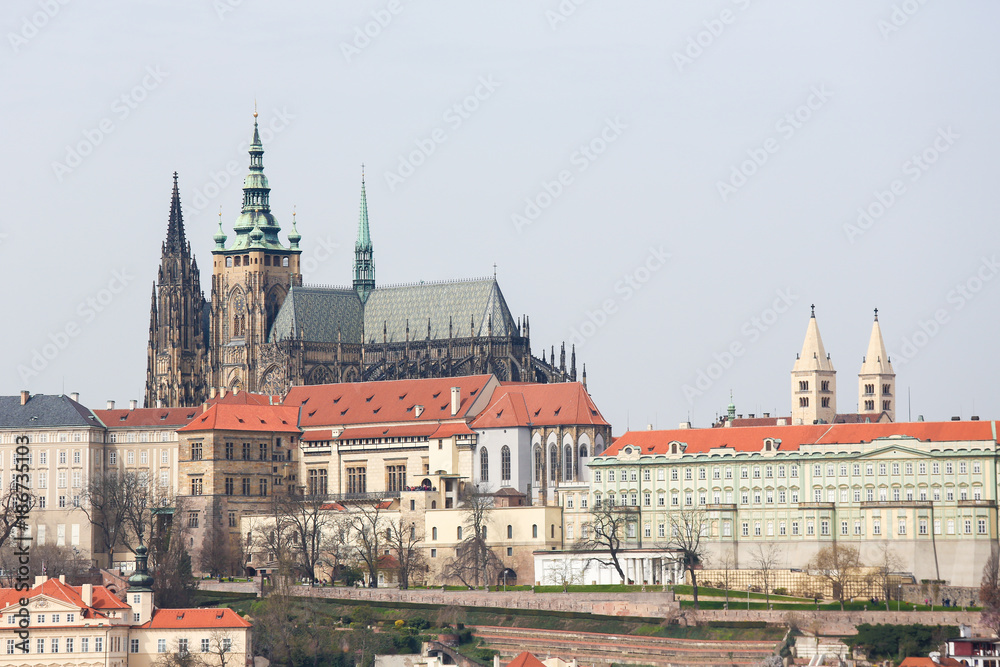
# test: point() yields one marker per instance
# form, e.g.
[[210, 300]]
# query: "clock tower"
[[250, 279]]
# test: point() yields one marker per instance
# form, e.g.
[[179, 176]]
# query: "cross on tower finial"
[[494, 270], [876, 314], [813, 307], [362, 173]]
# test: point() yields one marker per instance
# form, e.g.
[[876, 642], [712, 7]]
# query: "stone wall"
[[958, 595], [841, 623]]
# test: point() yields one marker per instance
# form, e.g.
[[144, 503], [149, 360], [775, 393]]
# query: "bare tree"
[[404, 541], [474, 560], [565, 574], [271, 539], [370, 528], [216, 555], [765, 559], [177, 656], [989, 592], [309, 517], [608, 530], [840, 565], [105, 500], [687, 528], [886, 562], [220, 648], [727, 565], [170, 561], [16, 503]]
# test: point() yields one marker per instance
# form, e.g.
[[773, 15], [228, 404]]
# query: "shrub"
[[780, 591]]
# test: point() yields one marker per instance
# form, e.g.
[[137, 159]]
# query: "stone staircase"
[[603, 650]]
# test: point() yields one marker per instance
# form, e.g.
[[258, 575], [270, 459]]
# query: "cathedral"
[[263, 331]]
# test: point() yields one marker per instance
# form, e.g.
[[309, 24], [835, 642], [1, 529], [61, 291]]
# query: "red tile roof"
[[351, 403], [525, 659], [914, 661], [259, 418], [245, 398], [317, 436], [539, 405], [751, 439], [195, 618], [140, 417], [56, 590], [404, 431]]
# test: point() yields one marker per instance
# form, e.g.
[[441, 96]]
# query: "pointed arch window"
[[553, 463], [568, 462], [505, 464], [539, 463], [484, 465]]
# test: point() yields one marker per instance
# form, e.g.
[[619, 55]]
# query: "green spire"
[[732, 407], [364, 266], [220, 236], [141, 580]]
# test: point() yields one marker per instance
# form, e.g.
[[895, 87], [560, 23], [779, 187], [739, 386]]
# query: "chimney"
[[87, 594], [222, 392], [111, 405], [685, 425], [40, 579], [62, 578], [236, 390], [767, 414], [211, 392], [418, 410], [132, 404], [649, 427], [751, 415], [782, 422], [728, 423], [496, 660], [24, 396], [159, 402], [456, 400], [204, 407], [75, 396]]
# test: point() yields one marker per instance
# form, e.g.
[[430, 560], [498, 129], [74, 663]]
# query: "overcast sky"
[[665, 183]]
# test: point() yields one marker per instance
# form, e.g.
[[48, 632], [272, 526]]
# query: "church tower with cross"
[[814, 380], [877, 380]]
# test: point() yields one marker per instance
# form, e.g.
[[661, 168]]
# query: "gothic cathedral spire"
[[176, 356], [364, 265], [877, 380], [814, 380]]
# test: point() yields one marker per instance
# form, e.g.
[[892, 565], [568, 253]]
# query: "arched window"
[[229, 262], [510, 531], [505, 464], [534, 530], [459, 531], [568, 462], [484, 465], [237, 260], [284, 261], [553, 463], [583, 451], [538, 464], [434, 533]]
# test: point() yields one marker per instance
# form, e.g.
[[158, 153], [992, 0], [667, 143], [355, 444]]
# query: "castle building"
[[177, 354], [267, 332], [925, 490]]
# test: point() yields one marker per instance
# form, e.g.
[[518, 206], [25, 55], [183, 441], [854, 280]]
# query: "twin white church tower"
[[814, 382]]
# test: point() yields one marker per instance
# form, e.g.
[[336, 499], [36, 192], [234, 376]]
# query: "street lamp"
[[748, 596], [899, 595]]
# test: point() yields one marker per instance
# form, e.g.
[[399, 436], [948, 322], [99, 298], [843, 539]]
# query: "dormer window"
[[677, 447]]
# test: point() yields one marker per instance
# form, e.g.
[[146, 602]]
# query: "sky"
[[667, 185]]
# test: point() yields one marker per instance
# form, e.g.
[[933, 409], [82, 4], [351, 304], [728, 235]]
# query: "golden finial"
[[255, 107], [293, 213]]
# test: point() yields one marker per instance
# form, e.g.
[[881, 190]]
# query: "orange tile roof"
[[914, 661], [245, 398], [452, 428], [172, 417], [539, 405], [227, 417], [71, 595], [317, 436], [404, 431], [751, 439], [389, 401], [195, 618], [525, 659]]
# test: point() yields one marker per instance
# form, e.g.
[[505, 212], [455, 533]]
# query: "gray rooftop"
[[42, 411]]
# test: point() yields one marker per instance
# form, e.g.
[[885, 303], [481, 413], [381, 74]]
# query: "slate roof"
[[145, 417], [462, 303], [318, 313], [43, 410]]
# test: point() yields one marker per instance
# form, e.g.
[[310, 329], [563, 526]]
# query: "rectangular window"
[[856, 469], [981, 525], [661, 499], [857, 527], [661, 530], [40, 645], [715, 473], [781, 528], [196, 486], [794, 470], [824, 527], [781, 471], [246, 486], [902, 526], [182, 646], [647, 499], [196, 451], [818, 495], [817, 470], [192, 519], [229, 485], [597, 476], [135, 646], [908, 468], [951, 526], [69, 644], [230, 451], [746, 529], [857, 495], [870, 494], [810, 528], [795, 496], [876, 526], [204, 646], [161, 645], [729, 472], [795, 528], [687, 473], [977, 468], [98, 644], [895, 468], [756, 528], [843, 528], [781, 496], [949, 468], [922, 527]]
